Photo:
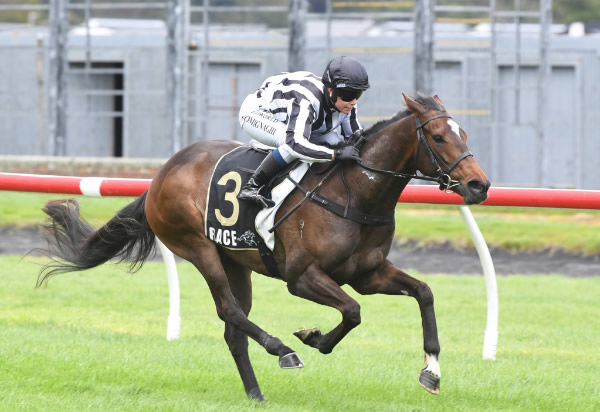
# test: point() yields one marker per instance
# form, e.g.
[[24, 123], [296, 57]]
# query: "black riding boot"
[[263, 173]]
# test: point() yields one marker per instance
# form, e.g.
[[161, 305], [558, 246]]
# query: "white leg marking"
[[432, 365]]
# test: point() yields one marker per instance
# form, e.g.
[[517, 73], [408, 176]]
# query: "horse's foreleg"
[[316, 286], [390, 280]]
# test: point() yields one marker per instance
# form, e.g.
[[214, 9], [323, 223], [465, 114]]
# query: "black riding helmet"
[[347, 77]]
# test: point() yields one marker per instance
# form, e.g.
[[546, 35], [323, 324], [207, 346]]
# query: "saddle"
[[238, 224]]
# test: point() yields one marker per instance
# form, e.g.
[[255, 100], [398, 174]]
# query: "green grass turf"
[[514, 229], [96, 341]]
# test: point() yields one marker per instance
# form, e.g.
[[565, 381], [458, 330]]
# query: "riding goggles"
[[347, 94]]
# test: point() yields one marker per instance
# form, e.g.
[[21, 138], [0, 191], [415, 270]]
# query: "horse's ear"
[[439, 101], [413, 105]]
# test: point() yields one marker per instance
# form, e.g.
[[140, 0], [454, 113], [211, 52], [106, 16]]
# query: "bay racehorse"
[[316, 250]]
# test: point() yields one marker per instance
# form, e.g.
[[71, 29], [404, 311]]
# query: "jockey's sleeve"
[[301, 118]]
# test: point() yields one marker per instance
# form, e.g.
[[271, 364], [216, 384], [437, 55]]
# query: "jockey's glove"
[[346, 153], [355, 136]]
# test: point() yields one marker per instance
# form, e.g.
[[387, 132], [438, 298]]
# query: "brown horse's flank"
[[315, 250]]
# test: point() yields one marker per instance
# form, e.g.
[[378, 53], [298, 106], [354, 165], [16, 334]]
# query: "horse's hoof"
[[256, 395], [307, 336], [290, 361], [429, 381]]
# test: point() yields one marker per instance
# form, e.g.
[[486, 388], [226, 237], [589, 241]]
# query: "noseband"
[[442, 168], [443, 177]]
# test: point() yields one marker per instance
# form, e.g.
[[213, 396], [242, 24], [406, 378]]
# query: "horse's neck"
[[392, 149]]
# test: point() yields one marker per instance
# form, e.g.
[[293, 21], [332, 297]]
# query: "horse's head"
[[443, 152]]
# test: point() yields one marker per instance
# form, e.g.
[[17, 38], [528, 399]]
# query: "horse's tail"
[[73, 244]]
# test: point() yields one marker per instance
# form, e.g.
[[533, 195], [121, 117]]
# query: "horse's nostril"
[[478, 186]]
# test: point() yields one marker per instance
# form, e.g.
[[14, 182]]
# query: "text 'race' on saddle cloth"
[[236, 224]]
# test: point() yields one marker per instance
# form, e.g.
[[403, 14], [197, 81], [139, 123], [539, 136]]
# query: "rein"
[[308, 194], [358, 139]]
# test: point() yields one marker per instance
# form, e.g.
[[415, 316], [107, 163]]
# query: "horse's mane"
[[428, 102]]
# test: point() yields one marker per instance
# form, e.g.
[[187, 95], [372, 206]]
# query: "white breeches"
[[260, 124]]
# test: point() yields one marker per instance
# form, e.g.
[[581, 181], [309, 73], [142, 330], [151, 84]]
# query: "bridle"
[[443, 170]]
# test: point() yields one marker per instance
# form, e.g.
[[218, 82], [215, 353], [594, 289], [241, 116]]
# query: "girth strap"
[[268, 259]]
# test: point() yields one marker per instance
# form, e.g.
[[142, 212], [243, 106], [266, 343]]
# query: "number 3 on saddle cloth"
[[238, 224]]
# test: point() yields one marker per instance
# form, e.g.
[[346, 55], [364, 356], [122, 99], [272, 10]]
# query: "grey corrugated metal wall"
[[239, 61]]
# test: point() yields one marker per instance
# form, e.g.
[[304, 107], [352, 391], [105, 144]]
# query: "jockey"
[[305, 117]]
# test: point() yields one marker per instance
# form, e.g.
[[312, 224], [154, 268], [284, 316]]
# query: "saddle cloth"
[[236, 224]]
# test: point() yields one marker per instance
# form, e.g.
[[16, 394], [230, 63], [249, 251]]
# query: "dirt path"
[[445, 259], [409, 257]]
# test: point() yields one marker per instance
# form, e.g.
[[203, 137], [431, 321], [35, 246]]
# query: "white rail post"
[[490, 339], [174, 320]]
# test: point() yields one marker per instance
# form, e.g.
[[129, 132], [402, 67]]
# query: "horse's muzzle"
[[475, 191]]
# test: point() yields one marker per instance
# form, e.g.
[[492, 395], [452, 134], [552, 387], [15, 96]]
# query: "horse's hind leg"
[[241, 287], [208, 262]]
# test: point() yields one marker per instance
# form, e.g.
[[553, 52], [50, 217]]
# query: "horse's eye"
[[437, 138]]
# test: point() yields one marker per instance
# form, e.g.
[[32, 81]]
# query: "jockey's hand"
[[355, 136], [347, 153]]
